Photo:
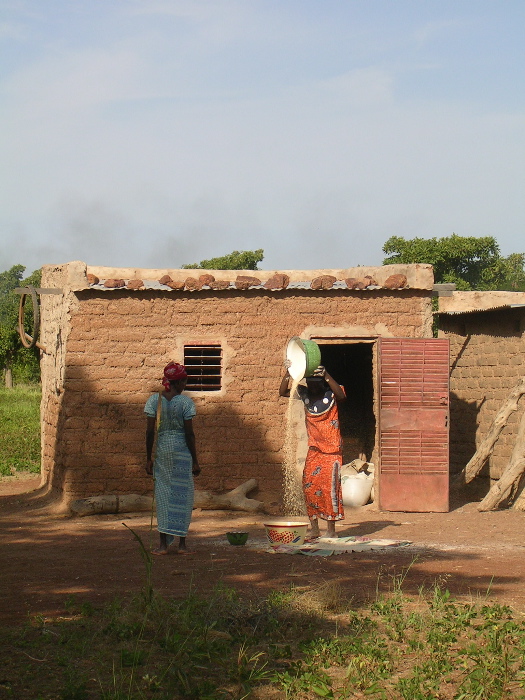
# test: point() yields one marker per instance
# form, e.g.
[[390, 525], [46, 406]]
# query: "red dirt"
[[46, 557]]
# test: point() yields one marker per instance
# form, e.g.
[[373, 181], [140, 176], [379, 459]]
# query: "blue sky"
[[153, 133]]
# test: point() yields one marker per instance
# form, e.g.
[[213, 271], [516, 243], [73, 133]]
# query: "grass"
[[20, 429], [291, 644]]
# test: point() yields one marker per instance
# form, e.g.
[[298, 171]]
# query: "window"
[[204, 367]]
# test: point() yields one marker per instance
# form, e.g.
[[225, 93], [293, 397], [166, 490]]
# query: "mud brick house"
[[109, 332], [486, 331]]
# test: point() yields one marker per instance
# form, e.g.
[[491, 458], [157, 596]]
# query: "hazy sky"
[[154, 133]]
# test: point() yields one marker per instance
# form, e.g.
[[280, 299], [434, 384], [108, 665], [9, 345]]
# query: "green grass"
[[20, 429], [294, 644]]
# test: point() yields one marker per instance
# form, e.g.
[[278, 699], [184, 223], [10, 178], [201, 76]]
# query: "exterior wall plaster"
[[108, 348], [487, 355]]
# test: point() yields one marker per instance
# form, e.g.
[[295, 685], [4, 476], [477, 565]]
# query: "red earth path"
[[46, 558]]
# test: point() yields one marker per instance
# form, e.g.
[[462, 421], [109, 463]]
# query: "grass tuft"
[[292, 644], [20, 429]]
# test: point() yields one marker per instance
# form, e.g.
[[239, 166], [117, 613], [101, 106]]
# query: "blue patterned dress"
[[172, 468]]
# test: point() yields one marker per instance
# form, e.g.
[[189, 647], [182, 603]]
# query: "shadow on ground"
[[48, 558]]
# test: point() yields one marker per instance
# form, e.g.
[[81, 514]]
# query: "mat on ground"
[[327, 546]]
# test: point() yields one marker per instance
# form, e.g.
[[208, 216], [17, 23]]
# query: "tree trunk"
[[8, 378], [486, 447], [134, 503], [512, 472]]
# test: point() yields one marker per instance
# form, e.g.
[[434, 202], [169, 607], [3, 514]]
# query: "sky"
[[156, 133]]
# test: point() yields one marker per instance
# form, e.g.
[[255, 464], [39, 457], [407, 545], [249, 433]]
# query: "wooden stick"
[[486, 446], [515, 468], [134, 503]]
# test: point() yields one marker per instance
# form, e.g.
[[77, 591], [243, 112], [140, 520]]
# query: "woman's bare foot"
[[314, 530], [159, 551], [182, 547], [330, 528]]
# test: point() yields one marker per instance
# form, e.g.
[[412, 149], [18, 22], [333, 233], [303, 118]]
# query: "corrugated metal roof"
[[157, 286], [480, 311]]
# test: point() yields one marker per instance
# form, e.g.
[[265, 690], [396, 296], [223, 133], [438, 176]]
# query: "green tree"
[[237, 260], [467, 261], [15, 360]]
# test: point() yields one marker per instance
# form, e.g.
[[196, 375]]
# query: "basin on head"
[[304, 357]]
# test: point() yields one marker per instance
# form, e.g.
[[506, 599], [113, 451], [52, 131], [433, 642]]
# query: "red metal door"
[[413, 424]]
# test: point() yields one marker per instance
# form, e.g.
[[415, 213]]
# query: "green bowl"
[[237, 538], [304, 357]]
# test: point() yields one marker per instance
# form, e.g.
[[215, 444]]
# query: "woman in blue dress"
[[175, 459]]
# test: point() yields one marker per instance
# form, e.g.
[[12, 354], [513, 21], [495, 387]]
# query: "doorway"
[[351, 365]]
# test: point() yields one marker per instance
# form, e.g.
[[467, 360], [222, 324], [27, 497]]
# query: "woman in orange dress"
[[322, 469]]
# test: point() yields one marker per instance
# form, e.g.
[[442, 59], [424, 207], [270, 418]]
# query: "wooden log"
[[515, 468], [111, 503], [134, 503], [486, 446], [233, 500], [519, 502]]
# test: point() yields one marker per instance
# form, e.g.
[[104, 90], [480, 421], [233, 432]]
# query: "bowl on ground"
[[285, 531], [237, 538]]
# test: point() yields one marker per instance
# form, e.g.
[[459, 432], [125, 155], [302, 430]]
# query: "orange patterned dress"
[[322, 469]]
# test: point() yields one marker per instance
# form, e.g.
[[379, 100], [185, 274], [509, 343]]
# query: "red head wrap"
[[172, 373]]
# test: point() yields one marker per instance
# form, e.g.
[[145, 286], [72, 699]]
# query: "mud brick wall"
[[113, 345], [487, 356]]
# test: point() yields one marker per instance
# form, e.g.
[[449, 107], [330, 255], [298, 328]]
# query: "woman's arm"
[[335, 387], [190, 441], [284, 389], [150, 439]]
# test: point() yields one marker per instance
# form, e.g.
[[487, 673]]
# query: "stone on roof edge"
[[74, 274]]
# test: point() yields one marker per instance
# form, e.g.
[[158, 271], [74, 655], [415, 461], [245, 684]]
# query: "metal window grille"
[[204, 367]]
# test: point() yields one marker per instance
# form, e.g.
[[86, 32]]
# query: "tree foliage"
[[467, 261], [237, 260], [23, 362]]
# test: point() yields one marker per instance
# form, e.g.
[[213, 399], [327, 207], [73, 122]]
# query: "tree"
[[467, 261], [15, 360], [237, 260], [507, 273]]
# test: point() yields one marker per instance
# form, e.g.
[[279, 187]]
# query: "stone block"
[[246, 282], [277, 281], [176, 285], [395, 282], [193, 284], [114, 283]]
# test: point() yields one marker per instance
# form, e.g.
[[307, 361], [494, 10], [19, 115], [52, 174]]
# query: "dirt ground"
[[46, 558]]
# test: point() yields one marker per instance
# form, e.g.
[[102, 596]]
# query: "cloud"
[[12, 30], [363, 87], [165, 142], [438, 29]]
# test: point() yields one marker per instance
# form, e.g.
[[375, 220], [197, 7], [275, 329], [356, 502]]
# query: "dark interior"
[[350, 364]]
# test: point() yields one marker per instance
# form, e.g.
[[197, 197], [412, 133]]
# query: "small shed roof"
[[474, 302]]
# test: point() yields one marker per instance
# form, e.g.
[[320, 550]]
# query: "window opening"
[[204, 367]]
